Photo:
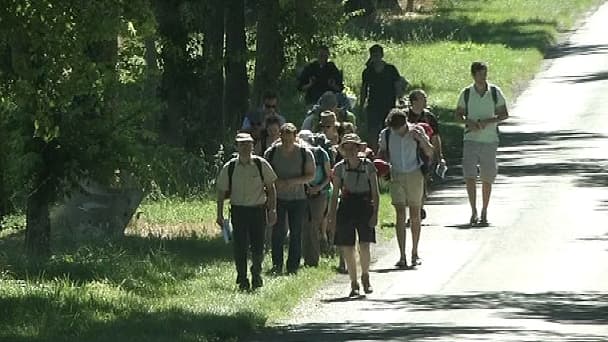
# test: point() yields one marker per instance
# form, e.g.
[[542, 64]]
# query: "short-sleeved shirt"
[[247, 187], [287, 167], [356, 181], [321, 157], [403, 150], [482, 107], [322, 75], [426, 116], [382, 93]]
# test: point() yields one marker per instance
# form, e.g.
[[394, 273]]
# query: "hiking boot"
[[256, 282], [243, 285], [367, 287], [354, 289]]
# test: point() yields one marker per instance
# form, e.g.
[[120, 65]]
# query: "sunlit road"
[[540, 271]]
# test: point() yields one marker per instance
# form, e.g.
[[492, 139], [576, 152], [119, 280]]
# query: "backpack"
[[273, 149], [359, 170], [258, 162], [422, 157]]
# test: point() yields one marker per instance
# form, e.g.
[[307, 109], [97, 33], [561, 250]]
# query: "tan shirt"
[[247, 187]]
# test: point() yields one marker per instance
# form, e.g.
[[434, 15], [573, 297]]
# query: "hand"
[[272, 217], [373, 221], [220, 221]]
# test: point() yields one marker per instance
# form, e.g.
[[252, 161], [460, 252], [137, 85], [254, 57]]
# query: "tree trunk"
[[236, 90], [270, 59], [305, 27], [212, 119], [409, 6], [38, 224]]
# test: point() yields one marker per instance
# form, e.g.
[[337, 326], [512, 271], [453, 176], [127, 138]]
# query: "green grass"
[[172, 279]]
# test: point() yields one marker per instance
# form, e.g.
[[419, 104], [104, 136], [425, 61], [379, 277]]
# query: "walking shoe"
[[243, 285], [354, 289], [473, 220], [367, 287], [276, 270], [416, 261], [256, 282], [402, 264]]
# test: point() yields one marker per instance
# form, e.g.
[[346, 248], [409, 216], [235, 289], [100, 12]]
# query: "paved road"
[[540, 271]]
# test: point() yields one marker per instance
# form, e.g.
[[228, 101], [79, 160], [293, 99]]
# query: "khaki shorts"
[[483, 154], [407, 188]]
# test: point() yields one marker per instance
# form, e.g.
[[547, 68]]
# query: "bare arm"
[[436, 141], [501, 114]]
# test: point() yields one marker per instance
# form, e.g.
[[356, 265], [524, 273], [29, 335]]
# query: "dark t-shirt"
[[381, 87], [322, 76], [427, 116]]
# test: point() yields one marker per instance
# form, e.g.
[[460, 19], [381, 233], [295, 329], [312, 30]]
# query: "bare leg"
[[472, 193], [486, 191], [351, 264], [400, 229], [415, 220]]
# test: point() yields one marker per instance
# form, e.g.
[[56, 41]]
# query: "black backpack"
[[422, 157], [258, 162]]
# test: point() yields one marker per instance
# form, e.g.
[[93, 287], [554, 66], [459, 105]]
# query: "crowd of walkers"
[[317, 187]]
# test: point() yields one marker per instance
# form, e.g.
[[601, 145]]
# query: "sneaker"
[[256, 282], [416, 261], [354, 289], [402, 264], [367, 287]]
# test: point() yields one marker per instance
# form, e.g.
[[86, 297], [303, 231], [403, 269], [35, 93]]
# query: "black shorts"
[[354, 213]]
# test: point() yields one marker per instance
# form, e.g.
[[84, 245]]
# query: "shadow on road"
[[556, 307], [568, 49]]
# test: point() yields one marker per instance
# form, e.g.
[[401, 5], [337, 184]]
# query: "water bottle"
[[227, 230]]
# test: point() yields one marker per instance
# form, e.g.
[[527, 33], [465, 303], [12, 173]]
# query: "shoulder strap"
[[303, 156], [258, 163], [467, 94], [494, 93], [273, 149], [387, 138], [230, 173]]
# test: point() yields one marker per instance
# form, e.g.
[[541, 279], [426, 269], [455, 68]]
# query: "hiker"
[[320, 76], [295, 167], [248, 181], [356, 184], [401, 144], [417, 112], [254, 120], [481, 106], [380, 83], [327, 102], [270, 135], [314, 234]]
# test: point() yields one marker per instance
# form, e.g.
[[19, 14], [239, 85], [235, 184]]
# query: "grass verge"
[[173, 279]]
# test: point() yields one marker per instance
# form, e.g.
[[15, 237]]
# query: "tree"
[[236, 90], [270, 57], [73, 117]]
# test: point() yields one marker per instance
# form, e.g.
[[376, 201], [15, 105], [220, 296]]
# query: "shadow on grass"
[[135, 323], [135, 263], [556, 307]]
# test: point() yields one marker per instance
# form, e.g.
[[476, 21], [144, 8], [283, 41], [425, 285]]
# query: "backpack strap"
[[387, 138], [303, 156], [467, 94]]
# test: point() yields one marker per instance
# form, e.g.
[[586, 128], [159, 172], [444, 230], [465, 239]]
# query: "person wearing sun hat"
[[248, 181], [356, 184]]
